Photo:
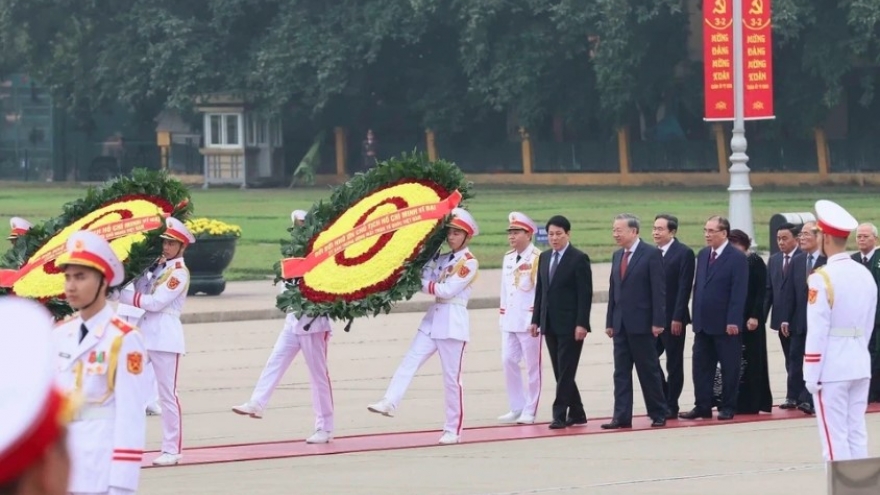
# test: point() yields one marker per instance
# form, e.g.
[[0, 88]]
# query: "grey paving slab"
[[225, 359]]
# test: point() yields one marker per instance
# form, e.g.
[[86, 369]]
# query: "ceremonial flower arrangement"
[[128, 211], [364, 249], [204, 228]]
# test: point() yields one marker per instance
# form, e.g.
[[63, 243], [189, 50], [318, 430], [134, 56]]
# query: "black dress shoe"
[[672, 414], [725, 415], [806, 408], [788, 404], [576, 422], [658, 423], [616, 425], [557, 425], [696, 413]]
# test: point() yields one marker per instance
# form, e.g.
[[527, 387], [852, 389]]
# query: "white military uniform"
[[445, 329], [102, 368], [313, 343], [162, 294], [837, 365], [518, 279], [33, 411]]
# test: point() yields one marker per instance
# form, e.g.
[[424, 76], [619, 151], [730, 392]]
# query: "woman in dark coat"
[[754, 384]]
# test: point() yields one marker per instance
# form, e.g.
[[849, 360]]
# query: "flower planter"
[[206, 260]]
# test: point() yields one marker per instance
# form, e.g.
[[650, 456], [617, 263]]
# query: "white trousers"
[[152, 388], [517, 347], [451, 353], [166, 366], [840, 413], [314, 350]]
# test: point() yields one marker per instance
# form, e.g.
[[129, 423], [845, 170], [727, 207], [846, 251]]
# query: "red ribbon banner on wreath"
[[109, 231], [298, 267]]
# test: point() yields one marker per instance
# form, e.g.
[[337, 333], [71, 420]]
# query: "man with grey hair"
[[636, 316], [869, 256], [794, 321]]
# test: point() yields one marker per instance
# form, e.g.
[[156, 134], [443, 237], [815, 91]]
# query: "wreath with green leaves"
[[376, 262], [120, 198]]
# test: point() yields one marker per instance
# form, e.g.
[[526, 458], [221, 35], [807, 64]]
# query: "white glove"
[[813, 387]]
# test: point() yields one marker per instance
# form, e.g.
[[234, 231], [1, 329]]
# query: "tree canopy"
[[437, 63]]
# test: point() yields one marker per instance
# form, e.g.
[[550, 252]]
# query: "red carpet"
[[418, 439]]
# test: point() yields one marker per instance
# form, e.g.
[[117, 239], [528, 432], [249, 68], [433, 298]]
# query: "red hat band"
[[832, 231], [523, 225], [32, 445], [177, 236], [458, 224], [92, 261]]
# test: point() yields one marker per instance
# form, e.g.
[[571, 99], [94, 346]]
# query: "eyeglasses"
[[711, 231]]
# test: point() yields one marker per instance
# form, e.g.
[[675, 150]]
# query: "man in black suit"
[[563, 296], [636, 316], [869, 256], [794, 320], [720, 291], [778, 271], [678, 267]]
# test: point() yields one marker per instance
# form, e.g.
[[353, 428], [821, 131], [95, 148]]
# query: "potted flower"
[[210, 255]]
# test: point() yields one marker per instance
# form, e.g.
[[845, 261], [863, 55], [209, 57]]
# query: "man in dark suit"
[[678, 267], [563, 296], [869, 256], [720, 291], [778, 271], [636, 316], [794, 320]]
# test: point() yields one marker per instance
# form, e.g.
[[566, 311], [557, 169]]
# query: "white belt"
[[94, 413], [846, 332], [458, 301], [172, 312]]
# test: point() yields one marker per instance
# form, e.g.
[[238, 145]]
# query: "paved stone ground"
[[225, 359]]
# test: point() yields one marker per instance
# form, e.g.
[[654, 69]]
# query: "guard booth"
[[242, 145], [854, 477], [797, 219]]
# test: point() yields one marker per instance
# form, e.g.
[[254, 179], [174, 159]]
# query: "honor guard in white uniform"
[[17, 227], [445, 329], [311, 336], [100, 361], [34, 412], [842, 299], [161, 293], [518, 277]]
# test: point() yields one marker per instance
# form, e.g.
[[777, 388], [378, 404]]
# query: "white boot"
[[510, 417], [167, 459], [449, 438], [249, 408], [320, 436], [382, 407]]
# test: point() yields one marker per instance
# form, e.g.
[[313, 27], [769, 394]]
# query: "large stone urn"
[[206, 260]]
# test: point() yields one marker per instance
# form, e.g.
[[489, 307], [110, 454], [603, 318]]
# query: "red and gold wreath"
[[123, 223], [365, 249], [369, 251]]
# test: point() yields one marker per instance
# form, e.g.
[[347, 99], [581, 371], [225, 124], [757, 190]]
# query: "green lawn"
[[264, 214]]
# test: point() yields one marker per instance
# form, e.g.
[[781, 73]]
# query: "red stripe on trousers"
[[460, 391], [825, 426], [179, 411]]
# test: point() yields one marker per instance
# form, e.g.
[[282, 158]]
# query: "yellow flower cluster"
[[208, 227], [332, 278]]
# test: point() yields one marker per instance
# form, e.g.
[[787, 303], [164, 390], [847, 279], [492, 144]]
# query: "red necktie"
[[623, 263]]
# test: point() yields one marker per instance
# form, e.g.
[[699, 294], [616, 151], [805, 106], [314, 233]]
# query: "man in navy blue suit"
[[636, 316], [720, 291]]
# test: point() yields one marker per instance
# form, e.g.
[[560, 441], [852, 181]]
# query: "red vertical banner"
[[757, 60], [718, 59]]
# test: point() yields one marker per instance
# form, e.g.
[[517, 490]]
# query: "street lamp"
[[740, 213]]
